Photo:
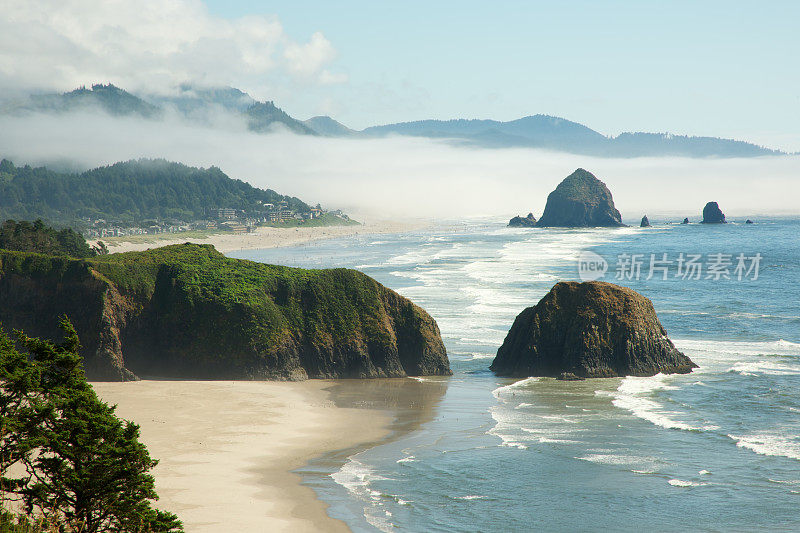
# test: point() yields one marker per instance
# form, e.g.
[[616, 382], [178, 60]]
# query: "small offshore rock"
[[520, 222], [569, 376]]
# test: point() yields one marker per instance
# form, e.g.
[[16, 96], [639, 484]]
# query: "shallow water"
[[718, 449]]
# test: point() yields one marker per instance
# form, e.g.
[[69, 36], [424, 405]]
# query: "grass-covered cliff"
[[188, 311]]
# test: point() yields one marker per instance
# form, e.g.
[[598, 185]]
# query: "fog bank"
[[408, 177]]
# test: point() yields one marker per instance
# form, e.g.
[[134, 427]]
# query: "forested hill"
[[129, 192]]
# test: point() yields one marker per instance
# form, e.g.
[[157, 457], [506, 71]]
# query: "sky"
[[714, 68]]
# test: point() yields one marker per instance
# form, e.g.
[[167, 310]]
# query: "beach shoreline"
[[228, 450], [262, 237]]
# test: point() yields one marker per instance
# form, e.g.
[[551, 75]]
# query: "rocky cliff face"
[[523, 222], [712, 214], [187, 311], [581, 200], [591, 329]]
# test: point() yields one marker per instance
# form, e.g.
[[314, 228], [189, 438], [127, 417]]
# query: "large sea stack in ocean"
[[592, 329], [581, 200], [187, 311], [712, 214]]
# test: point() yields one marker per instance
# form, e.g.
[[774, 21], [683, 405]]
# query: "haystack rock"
[[645, 222], [592, 329], [712, 214], [580, 201], [520, 222]]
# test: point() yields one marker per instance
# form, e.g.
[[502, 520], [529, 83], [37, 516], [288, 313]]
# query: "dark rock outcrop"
[[685, 221], [187, 311], [591, 329], [712, 214], [569, 376], [581, 200], [520, 222], [645, 222], [748, 221]]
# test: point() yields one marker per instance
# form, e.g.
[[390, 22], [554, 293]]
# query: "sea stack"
[[645, 222], [748, 221], [520, 222], [685, 221], [712, 214], [589, 330], [580, 201]]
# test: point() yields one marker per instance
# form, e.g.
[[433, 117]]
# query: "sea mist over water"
[[404, 176]]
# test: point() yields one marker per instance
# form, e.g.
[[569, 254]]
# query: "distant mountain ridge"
[[109, 98], [202, 104], [329, 127], [194, 104], [554, 133]]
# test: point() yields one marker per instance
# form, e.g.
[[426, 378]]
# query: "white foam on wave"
[[477, 356], [633, 395], [407, 459], [778, 347], [421, 379], [356, 477], [771, 368], [682, 483], [607, 459], [769, 444], [499, 392], [470, 497]]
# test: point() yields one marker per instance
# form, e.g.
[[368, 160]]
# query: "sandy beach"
[[262, 237], [227, 449]]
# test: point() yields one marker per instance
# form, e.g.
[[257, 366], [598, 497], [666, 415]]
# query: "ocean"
[[714, 450]]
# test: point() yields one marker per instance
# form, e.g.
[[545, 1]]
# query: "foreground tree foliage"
[[78, 468]]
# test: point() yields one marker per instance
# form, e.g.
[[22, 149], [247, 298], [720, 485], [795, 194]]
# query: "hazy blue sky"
[[699, 67]]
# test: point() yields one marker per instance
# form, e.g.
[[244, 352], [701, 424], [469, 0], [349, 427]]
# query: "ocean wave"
[[356, 477], [682, 483], [778, 347], [616, 459], [632, 395], [769, 444], [771, 368], [477, 356], [499, 392]]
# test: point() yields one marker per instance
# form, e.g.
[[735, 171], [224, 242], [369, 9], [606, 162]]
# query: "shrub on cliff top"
[[37, 237]]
